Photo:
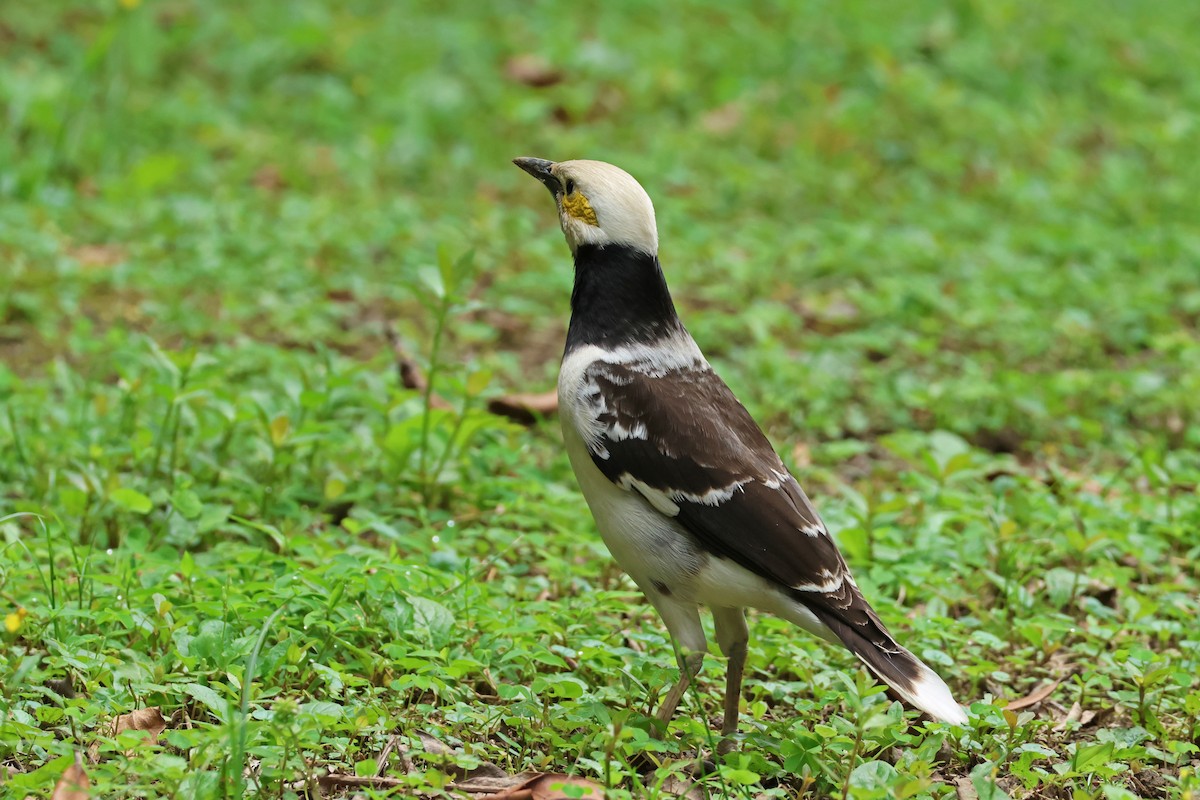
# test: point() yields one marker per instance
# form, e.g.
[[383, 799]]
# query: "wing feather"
[[683, 440]]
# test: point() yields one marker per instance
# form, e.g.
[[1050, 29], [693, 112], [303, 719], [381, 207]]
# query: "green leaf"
[[874, 775], [210, 700], [433, 616], [1089, 758], [131, 500], [741, 776], [335, 487], [983, 780], [324, 710], [433, 280], [279, 427], [187, 503]]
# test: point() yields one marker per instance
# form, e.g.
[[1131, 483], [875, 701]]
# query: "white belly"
[[647, 545]]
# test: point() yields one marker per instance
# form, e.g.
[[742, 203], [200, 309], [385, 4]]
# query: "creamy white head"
[[598, 204]]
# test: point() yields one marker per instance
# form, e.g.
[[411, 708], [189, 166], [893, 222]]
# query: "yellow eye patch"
[[578, 207]]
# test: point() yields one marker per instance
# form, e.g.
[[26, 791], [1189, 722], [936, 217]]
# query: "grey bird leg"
[[689, 665], [683, 621], [732, 636]]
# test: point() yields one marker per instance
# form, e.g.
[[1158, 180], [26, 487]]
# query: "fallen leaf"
[[525, 408], [724, 119], [532, 70], [410, 373], [964, 790], [143, 719], [551, 786], [371, 782], [73, 785], [490, 785], [269, 178], [676, 786], [1033, 698], [94, 256], [1073, 715]]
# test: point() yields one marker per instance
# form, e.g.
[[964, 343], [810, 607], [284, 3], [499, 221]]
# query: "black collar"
[[620, 298]]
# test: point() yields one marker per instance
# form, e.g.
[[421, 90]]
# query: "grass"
[[946, 254]]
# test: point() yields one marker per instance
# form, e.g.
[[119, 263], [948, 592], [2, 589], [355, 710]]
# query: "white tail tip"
[[931, 694]]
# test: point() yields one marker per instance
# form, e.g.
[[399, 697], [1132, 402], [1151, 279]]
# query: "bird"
[[687, 492]]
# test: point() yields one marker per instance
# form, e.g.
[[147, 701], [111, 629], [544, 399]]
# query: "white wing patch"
[[660, 500], [832, 582], [667, 502], [713, 497], [619, 433]]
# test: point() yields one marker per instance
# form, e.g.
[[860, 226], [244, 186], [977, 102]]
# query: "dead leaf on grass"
[[675, 786], [149, 719], [723, 119], [963, 789], [1084, 718], [490, 786], [358, 781], [525, 408], [97, 256], [532, 70], [1033, 698], [551, 786], [410, 373], [74, 784], [269, 179]]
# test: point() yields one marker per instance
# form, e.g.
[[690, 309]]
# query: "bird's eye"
[[570, 186]]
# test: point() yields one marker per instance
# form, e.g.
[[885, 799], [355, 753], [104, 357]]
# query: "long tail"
[[905, 673]]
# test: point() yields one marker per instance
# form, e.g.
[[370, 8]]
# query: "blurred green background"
[[947, 253], [980, 207]]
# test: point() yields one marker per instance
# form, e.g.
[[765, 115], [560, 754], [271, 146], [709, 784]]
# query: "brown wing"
[[684, 441]]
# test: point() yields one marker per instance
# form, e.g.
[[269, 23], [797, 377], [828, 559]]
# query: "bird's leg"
[[689, 665], [732, 636], [683, 621]]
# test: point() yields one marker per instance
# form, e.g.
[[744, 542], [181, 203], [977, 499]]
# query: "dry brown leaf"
[[370, 782], [73, 785], [1073, 714], [532, 70], [97, 256], [723, 119], [269, 178], [964, 790], [410, 373], [525, 408], [491, 785], [432, 746], [549, 786], [675, 786], [149, 719], [1033, 698]]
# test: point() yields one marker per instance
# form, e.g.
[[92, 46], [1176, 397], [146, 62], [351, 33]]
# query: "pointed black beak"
[[540, 169]]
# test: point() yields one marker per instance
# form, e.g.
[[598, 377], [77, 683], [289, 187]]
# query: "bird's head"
[[598, 204]]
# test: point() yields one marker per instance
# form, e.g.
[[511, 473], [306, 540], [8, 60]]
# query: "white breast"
[[648, 545]]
